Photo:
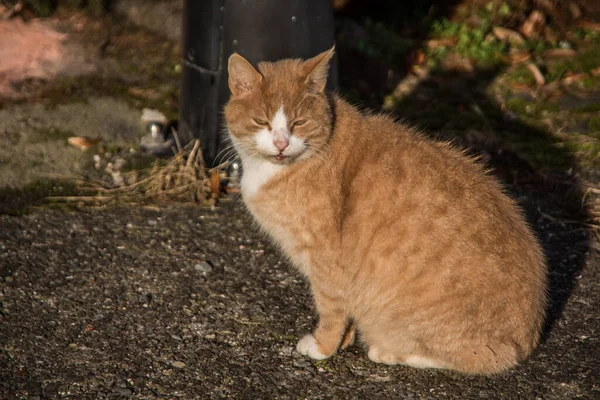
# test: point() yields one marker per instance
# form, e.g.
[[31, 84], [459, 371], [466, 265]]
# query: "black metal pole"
[[260, 30]]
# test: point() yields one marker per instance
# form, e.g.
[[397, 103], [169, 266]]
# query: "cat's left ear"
[[243, 77], [317, 69]]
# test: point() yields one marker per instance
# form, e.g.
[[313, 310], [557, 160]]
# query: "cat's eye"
[[298, 122], [260, 122]]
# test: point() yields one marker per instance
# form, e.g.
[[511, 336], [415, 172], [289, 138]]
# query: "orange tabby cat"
[[402, 238]]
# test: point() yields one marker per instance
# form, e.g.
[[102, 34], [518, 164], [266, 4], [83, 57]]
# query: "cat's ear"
[[317, 69], [243, 77]]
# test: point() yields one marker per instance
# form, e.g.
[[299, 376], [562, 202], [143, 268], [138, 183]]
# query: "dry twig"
[[184, 178]]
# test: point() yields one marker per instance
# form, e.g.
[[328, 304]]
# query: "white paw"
[[374, 355], [307, 346]]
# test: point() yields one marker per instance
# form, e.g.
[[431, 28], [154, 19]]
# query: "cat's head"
[[280, 111]]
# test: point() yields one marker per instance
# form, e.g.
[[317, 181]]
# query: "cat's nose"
[[281, 143]]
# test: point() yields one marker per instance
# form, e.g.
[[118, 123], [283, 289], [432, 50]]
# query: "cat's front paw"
[[308, 346]]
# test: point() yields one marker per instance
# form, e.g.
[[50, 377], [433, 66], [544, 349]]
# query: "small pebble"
[[287, 351], [203, 267], [152, 222], [178, 364], [123, 392], [301, 364]]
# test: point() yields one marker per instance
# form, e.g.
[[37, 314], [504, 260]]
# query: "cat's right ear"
[[243, 77], [317, 69]]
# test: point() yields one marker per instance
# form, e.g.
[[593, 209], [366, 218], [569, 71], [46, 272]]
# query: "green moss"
[[79, 89], [591, 83], [17, 201], [139, 162], [51, 133], [586, 151], [594, 125], [588, 108], [35, 163], [326, 364], [521, 75], [280, 337], [63, 90], [586, 61], [586, 35], [531, 109], [522, 106], [474, 43]]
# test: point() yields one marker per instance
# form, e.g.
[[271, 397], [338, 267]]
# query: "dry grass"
[[184, 178]]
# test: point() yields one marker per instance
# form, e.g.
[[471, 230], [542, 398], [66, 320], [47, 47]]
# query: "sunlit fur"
[[404, 239]]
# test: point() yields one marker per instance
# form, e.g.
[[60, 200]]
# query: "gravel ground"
[[183, 302]]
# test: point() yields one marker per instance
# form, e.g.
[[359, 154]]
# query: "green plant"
[[475, 43]]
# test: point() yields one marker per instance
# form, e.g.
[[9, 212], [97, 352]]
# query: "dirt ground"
[[183, 302], [119, 303]]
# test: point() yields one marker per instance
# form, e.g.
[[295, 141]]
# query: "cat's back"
[[397, 177]]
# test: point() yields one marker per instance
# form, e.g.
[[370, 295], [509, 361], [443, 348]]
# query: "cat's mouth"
[[285, 158], [281, 158]]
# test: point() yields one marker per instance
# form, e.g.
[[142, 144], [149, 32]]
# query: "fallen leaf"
[[589, 25], [574, 78], [508, 35], [533, 25], [432, 44], [559, 53], [83, 142], [537, 74], [517, 58]]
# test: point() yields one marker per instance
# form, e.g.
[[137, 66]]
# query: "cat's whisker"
[[228, 156], [226, 149]]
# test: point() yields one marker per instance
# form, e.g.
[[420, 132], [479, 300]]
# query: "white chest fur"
[[256, 173]]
